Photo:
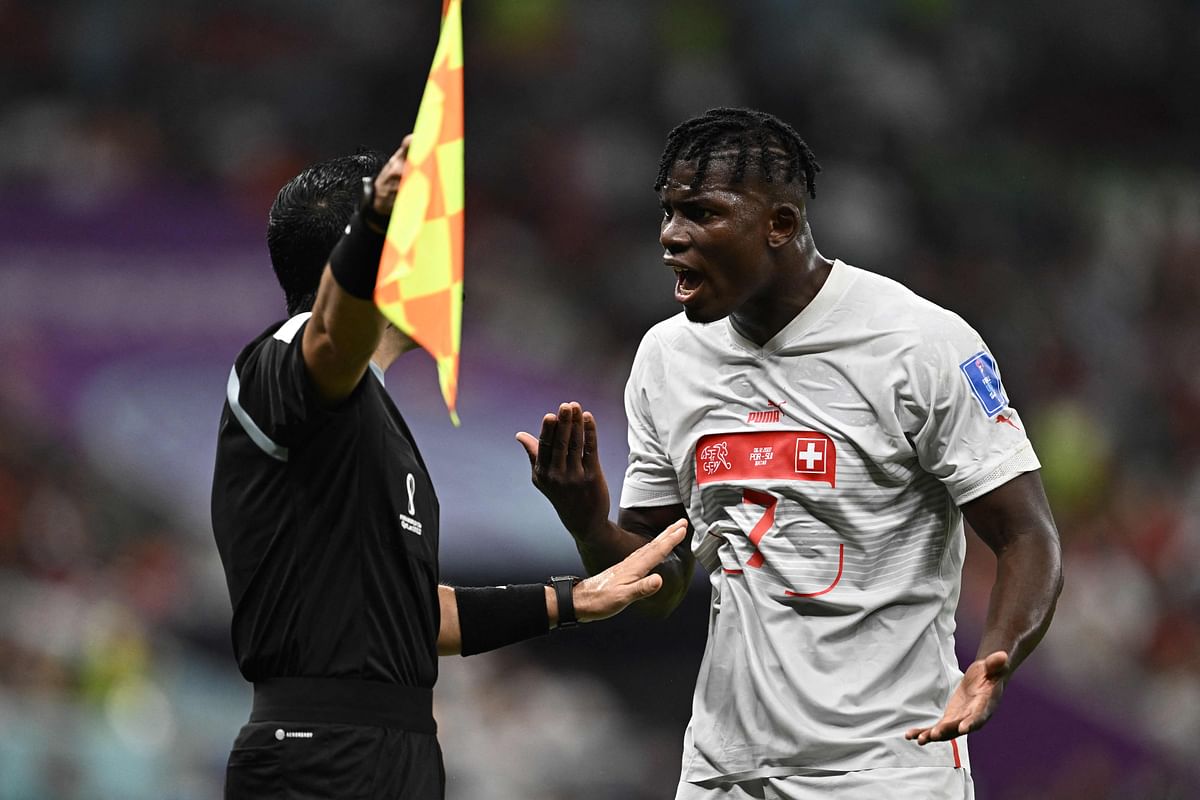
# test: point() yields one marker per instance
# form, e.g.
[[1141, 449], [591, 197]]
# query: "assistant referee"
[[327, 525]]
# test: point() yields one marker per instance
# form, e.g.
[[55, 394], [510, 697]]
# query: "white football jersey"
[[823, 474]]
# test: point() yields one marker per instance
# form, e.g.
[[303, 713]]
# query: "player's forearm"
[[1028, 582]]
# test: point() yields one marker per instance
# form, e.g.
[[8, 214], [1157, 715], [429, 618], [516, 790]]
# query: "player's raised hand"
[[387, 182], [609, 592], [565, 463], [972, 703]]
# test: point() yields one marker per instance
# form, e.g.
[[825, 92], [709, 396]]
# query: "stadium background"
[[1031, 165]]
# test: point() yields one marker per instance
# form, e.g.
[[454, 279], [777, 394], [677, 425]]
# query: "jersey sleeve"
[[650, 478], [962, 426], [271, 394]]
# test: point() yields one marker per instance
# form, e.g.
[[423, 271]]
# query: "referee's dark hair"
[[308, 217], [779, 152]]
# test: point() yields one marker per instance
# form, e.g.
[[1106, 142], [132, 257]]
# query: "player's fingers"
[[562, 435], [943, 730], [591, 452], [545, 450], [531, 447], [924, 735], [575, 440]]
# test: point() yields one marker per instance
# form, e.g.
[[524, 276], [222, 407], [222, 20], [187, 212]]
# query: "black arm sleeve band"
[[495, 616], [355, 258]]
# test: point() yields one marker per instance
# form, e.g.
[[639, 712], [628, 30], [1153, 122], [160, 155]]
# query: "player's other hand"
[[609, 592], [565, 463], [387, 182], [972, 703]]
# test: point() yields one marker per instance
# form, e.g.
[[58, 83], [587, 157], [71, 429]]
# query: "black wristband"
[[495, 616], [355, 258], [563, 586]]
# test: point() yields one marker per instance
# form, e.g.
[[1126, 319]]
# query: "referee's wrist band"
[[355, 258], [495, 616], [564, 586]]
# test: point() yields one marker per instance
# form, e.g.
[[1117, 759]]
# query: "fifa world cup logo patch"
[[409, 521], [984, 380]]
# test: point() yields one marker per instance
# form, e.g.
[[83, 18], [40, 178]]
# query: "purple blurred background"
[[1032, 166]]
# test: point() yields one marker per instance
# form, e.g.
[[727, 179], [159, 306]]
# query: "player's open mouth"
[[687, 283]]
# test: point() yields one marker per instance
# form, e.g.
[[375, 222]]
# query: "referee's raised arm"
[[346, 327]]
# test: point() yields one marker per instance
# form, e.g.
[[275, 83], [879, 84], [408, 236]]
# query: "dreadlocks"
[[778, 149]]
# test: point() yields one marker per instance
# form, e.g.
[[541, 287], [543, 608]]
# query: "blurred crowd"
[[1033, 166]]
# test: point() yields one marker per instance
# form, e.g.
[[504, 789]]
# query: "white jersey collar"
[[840, 278]]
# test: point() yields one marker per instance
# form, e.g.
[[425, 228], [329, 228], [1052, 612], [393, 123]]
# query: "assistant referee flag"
[[419, 288]]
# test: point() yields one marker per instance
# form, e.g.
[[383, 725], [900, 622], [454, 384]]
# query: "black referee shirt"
[[327, 525]]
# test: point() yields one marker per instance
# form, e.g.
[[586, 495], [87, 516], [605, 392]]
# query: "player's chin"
[[697, 312]]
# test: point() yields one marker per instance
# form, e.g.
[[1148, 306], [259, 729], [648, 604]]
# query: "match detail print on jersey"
[[773, 455], [981, 373]]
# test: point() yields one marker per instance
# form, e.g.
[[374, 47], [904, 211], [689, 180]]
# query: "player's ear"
[[786, 223]]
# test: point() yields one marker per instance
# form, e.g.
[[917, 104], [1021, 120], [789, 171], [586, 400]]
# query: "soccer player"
[[327, 525], [825, 431]]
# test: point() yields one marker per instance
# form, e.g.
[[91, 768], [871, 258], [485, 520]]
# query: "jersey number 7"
[[769, 502]]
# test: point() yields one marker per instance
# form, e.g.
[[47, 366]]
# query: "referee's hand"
[[609, 592], [387, 182]]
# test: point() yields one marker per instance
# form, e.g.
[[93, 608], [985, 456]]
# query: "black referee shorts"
[[349, 740]]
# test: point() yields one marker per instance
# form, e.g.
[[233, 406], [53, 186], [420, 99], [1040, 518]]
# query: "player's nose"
[[671, 235]]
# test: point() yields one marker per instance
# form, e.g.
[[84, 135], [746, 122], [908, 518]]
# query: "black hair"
[[309, 215], [780, 151]]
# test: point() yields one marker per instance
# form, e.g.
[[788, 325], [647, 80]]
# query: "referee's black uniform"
[[327, 526]]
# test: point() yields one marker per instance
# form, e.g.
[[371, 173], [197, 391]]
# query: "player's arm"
[[637, 524], [345, 327], [1014, 520], [476, 620], [566, 468]]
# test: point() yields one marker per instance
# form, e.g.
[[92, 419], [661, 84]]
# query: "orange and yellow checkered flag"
[[419, 287]]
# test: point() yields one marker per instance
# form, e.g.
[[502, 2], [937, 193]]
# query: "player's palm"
[[566, 467], [972, 703]]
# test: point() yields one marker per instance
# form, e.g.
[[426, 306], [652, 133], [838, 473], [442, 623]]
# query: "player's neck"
[[801, 281]]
